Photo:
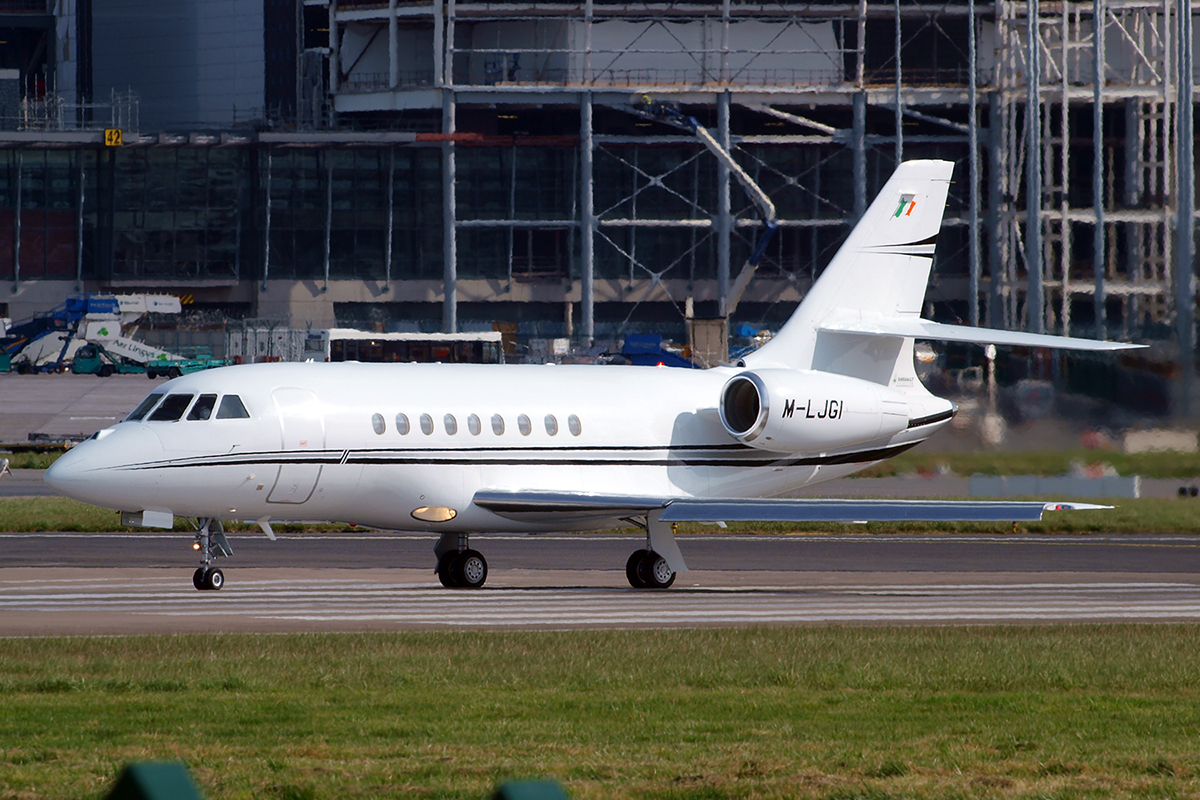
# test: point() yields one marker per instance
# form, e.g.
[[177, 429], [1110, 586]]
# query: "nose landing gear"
[[211, 542]]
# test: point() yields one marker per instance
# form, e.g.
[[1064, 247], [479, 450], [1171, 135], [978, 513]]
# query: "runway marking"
[[355, 603]]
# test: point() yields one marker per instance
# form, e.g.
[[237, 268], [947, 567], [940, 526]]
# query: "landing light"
[[434, 514]]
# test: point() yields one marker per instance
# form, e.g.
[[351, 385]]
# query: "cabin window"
[[204, 407], [144, 407], [524, 425], [497, 424], [402, 424], [426, 424], [551, 425], [451, 424], [473, 425], [377, 424], [573, 425], [231, 408], [172, 408]]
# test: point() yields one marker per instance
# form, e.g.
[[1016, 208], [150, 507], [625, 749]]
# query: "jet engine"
[[795, 411]]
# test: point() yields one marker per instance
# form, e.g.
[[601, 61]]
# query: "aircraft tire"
[[214, 579], [633, 569], [470, 569], [445, 572], [198, 578], [655, 571]]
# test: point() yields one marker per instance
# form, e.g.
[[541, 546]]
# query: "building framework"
[[474, 156]]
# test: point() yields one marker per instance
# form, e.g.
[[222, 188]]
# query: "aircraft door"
[[303, 432]]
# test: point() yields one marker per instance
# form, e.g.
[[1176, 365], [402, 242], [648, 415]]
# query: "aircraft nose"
[[101, 470]]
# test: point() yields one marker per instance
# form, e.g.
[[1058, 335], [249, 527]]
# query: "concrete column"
[[1099, 260], [267, 225], [449, 219], [724, 216], [391, 215], [80, 154], [994, 316], [328, 155], [20, 159], [393, 48], [898, 102], [860, 154], [973, 165], [1185, 227], [1034, 310], [439, 44], [587, 223]]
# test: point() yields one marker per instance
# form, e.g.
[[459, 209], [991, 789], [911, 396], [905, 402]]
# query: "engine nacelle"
[[794, 411]]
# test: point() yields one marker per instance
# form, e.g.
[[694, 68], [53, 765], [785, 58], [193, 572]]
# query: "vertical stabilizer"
[[880, 272]]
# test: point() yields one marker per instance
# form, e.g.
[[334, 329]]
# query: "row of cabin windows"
[[450, 423], [173, 406]]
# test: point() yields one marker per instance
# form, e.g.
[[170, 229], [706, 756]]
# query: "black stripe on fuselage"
[[932, 418], [433, 458]]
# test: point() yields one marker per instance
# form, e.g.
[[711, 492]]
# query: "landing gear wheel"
[[198, 578], [214, 579], [655, 571], [470, 569], [445, 571], [633, 569]]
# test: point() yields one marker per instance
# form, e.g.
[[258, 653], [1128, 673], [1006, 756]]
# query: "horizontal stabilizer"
[[532, 504], [917, 328]]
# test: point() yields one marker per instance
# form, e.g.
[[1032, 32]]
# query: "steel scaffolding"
[[1077, 162]]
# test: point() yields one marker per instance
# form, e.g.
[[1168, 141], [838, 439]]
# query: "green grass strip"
[[810, 712]]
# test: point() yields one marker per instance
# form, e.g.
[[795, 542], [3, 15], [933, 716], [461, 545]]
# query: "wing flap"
[[578, 506]]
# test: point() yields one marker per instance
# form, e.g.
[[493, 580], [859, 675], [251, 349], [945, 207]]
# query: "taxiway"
[[89, 584]]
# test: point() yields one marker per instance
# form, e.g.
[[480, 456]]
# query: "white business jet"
[[459, 449]]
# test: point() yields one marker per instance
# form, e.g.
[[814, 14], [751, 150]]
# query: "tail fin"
[[879, 273]]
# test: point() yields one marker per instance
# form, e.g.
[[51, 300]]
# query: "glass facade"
[[194, 212], [47, 187]]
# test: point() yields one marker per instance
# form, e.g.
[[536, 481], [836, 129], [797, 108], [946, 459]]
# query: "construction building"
[[450, 165]]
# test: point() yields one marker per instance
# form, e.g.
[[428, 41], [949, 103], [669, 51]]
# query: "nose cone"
[[110, 470]]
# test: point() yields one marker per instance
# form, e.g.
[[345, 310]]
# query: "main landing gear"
[[211, 543], [458, 566], [646, 569], [656, 565]]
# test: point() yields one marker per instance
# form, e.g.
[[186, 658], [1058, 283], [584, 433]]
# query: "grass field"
[[1064, 712], [1146, 515]]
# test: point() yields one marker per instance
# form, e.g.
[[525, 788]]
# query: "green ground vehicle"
[[95, 359]]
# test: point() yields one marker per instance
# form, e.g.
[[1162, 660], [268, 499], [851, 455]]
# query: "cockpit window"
[[232, 408], [144, 407], [172, 408], [204, 407]]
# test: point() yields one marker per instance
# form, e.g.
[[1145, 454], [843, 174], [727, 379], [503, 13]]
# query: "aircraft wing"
[[535, 505]]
